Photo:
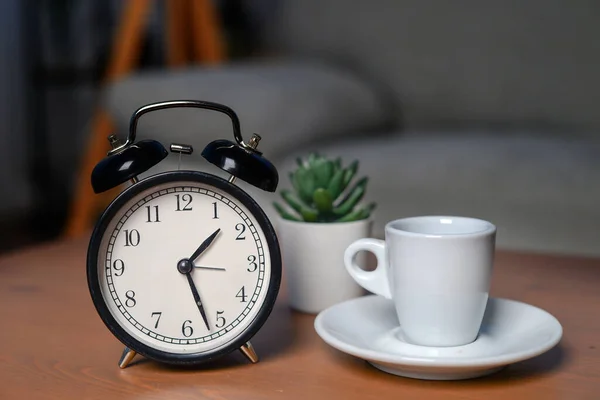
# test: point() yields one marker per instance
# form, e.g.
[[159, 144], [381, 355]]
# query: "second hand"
[[211, 268]]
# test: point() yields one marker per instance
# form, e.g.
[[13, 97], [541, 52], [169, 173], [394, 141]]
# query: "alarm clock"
[[183, 266]]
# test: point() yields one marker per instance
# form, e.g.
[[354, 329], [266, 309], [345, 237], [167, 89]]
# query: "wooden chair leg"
[[177, 32], [85, 199], [208, 46], [208, 40], [127, 45]]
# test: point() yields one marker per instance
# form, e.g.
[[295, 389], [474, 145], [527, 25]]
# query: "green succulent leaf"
[[336, 184], [338, 163], [284, 213], [349, 174], [323, 170], [323, 200], [318, 184], [294, 181], [308, 214], [358, 214], [352, 199], [312, 158], [306, 184]]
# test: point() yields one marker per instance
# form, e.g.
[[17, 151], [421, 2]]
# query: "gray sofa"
[[479, 108]]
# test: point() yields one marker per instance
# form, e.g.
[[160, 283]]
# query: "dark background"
[[54, 54]]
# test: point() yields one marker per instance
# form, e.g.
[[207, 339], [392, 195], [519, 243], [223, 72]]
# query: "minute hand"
[[204, 245], [197, 298]]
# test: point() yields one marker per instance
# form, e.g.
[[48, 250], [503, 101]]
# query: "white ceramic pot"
[[313, 262]]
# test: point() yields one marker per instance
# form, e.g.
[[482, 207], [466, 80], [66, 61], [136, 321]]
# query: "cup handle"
[[375, 281]]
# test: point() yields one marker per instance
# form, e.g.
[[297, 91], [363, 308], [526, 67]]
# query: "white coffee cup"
[[437, 270]]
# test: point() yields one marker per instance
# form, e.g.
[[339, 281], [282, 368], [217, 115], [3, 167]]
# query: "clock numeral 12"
[[132, 237], [150, 218], [186, 199], [215, 214], [220, 319]]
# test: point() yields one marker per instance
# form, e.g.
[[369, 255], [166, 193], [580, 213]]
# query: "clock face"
[[156, 294]]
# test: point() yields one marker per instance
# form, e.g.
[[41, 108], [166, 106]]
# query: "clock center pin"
[[185, 266]]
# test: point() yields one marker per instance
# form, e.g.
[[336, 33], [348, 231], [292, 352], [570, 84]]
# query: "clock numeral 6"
[[132, 237], [253, 265], [187, 330], [119, 267], [241, 228], [221, 321], [130, 302], [184, 200]]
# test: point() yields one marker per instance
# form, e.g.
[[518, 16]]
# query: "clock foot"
[[249, 352], [126, 357]]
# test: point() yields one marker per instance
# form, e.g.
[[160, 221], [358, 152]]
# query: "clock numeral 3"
[[253, 265], [130, 302], [119, 266], [132, 237], [186, 200], [187, 330], [221, 321], [215, 214], [240, 228], [158, 315], [242, 294], [150, 217]]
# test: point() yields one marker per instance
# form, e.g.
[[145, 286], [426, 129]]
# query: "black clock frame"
[[173, 177]]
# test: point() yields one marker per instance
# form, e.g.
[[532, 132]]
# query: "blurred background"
[[478, 108]]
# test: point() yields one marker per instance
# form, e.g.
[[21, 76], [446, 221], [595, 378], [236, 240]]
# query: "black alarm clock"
[[183, 266]]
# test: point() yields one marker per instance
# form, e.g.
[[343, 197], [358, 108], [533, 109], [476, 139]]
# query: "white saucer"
[[367, 327]]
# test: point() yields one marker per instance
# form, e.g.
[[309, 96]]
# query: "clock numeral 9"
[[253, 265], [186, 200], [221, 321], [187, 330], [130, 302], [132, 237], [242, 294], [241, 228], [119, 266], [150, 217]]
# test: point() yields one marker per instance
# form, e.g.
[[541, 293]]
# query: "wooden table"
[[53, 345]]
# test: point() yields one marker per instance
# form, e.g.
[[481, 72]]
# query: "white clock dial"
[[151, 299]]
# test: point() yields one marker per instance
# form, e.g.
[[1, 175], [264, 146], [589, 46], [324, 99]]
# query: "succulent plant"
[[322, 192]]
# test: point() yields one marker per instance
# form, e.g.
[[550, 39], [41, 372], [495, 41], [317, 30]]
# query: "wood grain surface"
[[53, 345]]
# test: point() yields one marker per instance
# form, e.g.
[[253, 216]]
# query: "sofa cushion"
[[533, 63], [541, 191], [288, 104]]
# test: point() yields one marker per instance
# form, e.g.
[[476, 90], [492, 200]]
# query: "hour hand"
[[204, 245]]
